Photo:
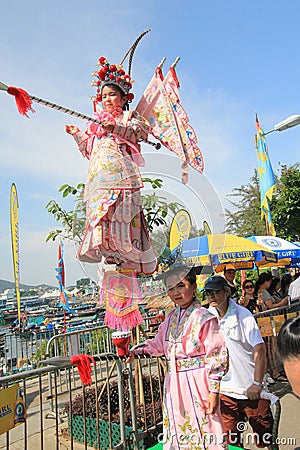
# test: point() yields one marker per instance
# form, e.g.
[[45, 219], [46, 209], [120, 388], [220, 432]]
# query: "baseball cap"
[[215, 283], [229, 267]]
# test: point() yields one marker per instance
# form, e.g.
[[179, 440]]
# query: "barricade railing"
[[270, 322], [90, 341], [122, 409]]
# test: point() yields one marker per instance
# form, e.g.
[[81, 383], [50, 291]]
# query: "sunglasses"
[[212, 291], [249, 286]]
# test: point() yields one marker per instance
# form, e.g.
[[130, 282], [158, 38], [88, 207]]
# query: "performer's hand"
[[253, 392], [213, 403], [72, 129], [108, 126], [129, 357]]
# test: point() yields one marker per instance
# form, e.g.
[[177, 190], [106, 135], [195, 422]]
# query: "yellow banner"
[[206, 227], [265, 326], [278, 322], [12, 408], [14, 224], [180, 228]]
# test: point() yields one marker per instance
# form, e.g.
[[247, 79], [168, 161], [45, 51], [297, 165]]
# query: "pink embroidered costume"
[[197, 359], [115, 223]]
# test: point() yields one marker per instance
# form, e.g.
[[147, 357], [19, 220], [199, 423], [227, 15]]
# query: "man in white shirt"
[[241, 387], [294, 290]]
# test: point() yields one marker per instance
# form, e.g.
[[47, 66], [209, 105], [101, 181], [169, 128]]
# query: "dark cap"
[[215, 283]]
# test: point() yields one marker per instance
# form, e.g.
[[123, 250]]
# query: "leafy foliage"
[[286, 204], [245, 219], [72, 221], [108, 402]]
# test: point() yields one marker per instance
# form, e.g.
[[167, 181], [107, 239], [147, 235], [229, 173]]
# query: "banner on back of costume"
[[12, 408]]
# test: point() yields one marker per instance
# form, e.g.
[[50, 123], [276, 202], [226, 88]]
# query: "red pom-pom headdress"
[[112, 74], [115, 74]]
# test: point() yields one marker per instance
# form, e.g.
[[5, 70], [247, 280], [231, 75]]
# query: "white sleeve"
[[252, 332]]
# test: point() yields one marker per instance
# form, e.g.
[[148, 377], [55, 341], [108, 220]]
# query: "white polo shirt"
[[294, 289], [241, 334]]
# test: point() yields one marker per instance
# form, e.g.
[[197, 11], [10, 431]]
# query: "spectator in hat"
[[229, 275], [197, 358], [242, 384]]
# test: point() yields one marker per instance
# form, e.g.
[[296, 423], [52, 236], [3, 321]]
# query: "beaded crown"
[[112, 74], [115, 74]]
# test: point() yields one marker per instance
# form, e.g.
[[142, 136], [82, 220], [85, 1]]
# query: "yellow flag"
[[14, 224], [180, 228]]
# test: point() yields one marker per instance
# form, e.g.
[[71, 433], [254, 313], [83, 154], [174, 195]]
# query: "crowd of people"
[[267, 292], [216, 359]]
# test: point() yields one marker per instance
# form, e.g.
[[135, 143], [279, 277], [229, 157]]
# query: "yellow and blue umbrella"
[[216, 249]]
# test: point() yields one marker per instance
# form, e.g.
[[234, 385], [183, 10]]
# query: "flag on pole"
[[266, 177], [14, 224], [64, 301]]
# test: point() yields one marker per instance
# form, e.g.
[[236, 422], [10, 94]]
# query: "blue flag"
[[266, 177]]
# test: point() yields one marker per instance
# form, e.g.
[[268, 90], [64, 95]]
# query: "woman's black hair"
[[263, 277], [245, 282], [288, 339], [118, 89], [285, 284], [187, 273], [273, 285]]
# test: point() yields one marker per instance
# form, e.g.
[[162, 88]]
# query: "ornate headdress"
[[115, 74]]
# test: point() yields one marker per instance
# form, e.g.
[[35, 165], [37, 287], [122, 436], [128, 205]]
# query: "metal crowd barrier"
[[121, 409], [270, 322]]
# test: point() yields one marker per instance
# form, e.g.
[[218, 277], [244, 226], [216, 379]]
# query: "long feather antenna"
[[133, 48]]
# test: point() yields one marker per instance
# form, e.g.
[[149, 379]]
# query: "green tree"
[[245, 219], [285, 205]]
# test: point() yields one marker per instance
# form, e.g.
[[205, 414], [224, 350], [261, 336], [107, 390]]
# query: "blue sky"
[[237, 58]]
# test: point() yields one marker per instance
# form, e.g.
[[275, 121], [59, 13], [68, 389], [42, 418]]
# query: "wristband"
[[256, 383]]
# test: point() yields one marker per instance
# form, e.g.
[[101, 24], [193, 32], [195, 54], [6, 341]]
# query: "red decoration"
[[83, 363], [113, 67], [102, 60], [23, 100], [130, 96]]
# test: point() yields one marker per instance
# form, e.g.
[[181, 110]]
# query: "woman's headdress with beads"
[[115, 74]]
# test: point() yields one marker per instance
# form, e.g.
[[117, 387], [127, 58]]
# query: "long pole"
[[71, 112]]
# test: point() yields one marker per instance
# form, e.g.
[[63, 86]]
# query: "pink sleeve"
[[155, 346], [216, 359], [84, 142], [134, 130]]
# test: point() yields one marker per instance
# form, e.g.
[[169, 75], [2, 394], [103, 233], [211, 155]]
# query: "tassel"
[[22, 99], [83, 363]]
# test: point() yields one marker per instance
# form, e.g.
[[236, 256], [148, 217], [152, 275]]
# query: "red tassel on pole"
[[22, 99]]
